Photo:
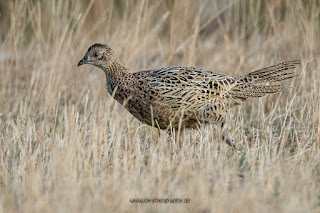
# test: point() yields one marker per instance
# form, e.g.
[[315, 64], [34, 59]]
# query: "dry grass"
[[66, 146]]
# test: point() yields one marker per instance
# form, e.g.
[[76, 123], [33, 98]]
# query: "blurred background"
[[66, 146]]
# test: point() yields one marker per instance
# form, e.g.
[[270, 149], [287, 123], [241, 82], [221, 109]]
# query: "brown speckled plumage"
[[161, 97]]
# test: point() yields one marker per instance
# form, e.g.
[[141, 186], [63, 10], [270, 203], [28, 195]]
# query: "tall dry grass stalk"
[[67, 146]]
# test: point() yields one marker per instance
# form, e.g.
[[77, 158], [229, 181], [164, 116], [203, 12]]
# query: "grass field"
[[67, 146]]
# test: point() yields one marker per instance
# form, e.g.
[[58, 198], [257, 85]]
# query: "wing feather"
[[187, 87]]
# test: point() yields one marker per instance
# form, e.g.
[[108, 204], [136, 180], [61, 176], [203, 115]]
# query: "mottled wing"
[[187, 87]]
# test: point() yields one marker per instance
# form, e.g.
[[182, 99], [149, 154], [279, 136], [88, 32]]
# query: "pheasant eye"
[[98, 55]]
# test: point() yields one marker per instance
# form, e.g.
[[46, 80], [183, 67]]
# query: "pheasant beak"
[[82, 61]]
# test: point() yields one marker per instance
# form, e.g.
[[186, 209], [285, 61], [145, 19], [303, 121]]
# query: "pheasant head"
[[99, 55]]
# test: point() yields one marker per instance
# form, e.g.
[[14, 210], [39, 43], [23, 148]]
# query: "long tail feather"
[[248, 84], [255, 91], [274, 73]]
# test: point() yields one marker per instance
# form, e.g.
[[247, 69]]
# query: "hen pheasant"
[[182, 96]]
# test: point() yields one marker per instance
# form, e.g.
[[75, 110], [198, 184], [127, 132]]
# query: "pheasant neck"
[[115, 73], [114, 69]]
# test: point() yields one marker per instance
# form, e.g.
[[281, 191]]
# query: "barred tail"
[[248, 85], [245, 91]]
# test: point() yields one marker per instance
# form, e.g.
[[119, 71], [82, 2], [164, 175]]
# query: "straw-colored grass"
[[67, 146]]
